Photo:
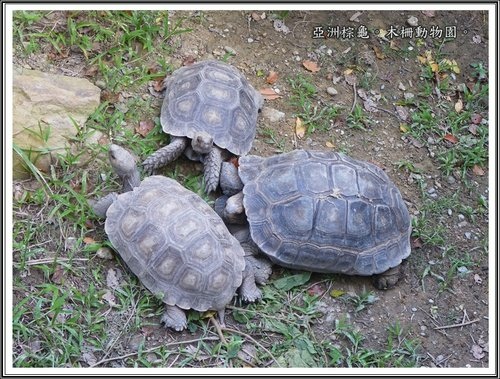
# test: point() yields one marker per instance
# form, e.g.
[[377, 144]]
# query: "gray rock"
[[412, 21], [272, 115], [230, 50], [331, 91], [44, 106]]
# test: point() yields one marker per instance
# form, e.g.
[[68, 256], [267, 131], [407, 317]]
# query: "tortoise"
[[320, 211], [212, 104], [175, 243]]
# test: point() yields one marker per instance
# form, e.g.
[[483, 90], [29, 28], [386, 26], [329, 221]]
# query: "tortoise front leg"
[[165, 155]]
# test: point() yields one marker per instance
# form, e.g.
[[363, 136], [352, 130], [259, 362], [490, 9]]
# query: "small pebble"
[[462, 224], [450, 212], [431, 190], [250, 40], [101, 84], [414, 309], [461, 217], [104, 253], [412, 21], [468, 235], [451, 180], [431, 301], [331, 91], [230, 50]]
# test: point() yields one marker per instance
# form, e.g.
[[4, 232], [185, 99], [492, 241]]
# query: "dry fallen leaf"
[[109, 96], [473, 129], [394, 44], [330, 144], [311, 66], [378, 52], [89, 358], [88, 240], [477, 352], [91, 71], [477, 170], [434, 66], [402, 112], [109, 298], [403, 128], [300, 129], [269, 93], [416, 243], [476, 118], [189, 60], [272, 77], [58, 275], [316, 290], [415, 142], [459, 106], [144, 127], [421, 59], [337, 293], [112, 278], [450, 138], [158, 84]]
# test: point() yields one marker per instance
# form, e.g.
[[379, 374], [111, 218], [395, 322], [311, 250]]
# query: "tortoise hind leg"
[[389, 278], [165, 155], [174, 318]]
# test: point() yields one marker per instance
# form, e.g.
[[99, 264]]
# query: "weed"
[[480, 72], [362, 300], [357, 119], [278, 142], [314, 117], [407, 165]]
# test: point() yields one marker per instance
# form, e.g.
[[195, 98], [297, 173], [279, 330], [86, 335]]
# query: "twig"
[[253, 340], [52, 260], [457, 325], [219, 330], [355, 98], [153, 349], [386, 111]]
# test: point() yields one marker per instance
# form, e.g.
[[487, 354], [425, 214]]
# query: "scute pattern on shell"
[[176, 244], [325, 212], [215, 98]]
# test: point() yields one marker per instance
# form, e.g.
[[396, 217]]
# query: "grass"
[[314, 116], [67, 315]]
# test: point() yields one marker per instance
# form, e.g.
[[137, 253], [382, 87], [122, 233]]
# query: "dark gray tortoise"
[[175, 243], [320, 211], [212, 104]]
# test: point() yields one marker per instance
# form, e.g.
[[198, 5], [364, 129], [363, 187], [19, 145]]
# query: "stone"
[[331, 91], [272, 115], [412, 21], [48, 111]]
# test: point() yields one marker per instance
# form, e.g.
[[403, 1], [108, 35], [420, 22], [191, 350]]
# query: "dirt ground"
[[420, 304]]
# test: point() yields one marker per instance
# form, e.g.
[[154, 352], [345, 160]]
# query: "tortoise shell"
[[176, 245], [325, 212], [215, 98]]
